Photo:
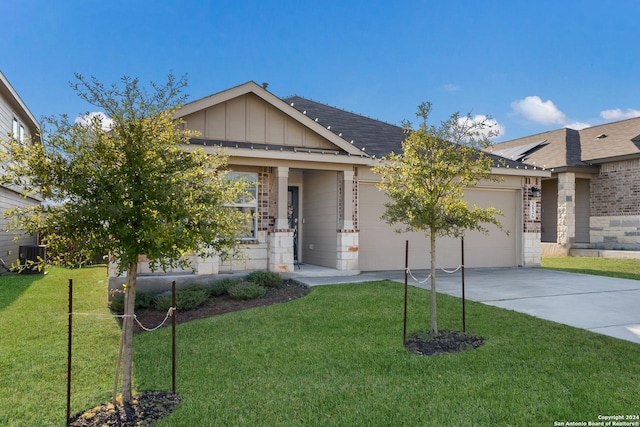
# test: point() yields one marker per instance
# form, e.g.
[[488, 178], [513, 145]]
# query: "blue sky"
[[531, 65]]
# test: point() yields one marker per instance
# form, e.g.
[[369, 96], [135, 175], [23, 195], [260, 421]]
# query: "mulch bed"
[[224, 304], [147, 408], [424, 344]]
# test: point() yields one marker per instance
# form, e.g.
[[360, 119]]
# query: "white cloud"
[[450, 87], [105, 121], [618, 114], [577, 125], [535, 109], [490, 125]]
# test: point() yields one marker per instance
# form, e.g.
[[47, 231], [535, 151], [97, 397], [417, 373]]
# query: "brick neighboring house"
[[16, 119], [315, 195], [592, 199]]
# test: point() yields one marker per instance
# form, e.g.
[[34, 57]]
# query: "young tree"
[[426, 182], [123, 184]]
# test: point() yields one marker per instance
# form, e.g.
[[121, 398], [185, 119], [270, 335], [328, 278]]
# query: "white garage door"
[[381, 248]]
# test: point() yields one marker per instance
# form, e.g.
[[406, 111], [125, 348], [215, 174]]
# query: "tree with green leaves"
[[126, 183], [426, 182]]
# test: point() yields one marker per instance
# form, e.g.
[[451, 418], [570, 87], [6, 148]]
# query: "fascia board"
[[284, 155]]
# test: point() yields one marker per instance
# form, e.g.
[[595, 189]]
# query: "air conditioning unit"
[[32, 259]]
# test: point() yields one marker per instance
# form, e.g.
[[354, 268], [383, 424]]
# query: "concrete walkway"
[[599, 304]]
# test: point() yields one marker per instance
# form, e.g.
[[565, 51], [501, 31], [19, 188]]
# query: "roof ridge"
[[611, 123]]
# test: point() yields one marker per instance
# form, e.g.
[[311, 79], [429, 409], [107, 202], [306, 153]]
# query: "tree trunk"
[[434, 312], [127, 332]]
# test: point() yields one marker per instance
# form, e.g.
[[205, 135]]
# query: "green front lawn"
[[334, 357], [612, 267]]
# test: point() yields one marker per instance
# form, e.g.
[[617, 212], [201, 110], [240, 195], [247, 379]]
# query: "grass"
[[334, 357], [33, 346], [611, 267]]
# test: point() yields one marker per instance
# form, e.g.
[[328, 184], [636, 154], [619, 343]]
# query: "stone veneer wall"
[[615, 206], [566, 227], [615, 232]]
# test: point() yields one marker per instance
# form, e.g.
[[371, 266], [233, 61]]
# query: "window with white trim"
[[17, 130], [14, 130], [247, 203]]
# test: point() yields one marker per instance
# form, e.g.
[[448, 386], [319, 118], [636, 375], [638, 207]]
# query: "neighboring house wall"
[[549, 210], [615, 206], [11, 242], [14, 119]]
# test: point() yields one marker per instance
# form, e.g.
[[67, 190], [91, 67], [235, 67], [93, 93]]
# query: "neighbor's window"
[[248, 203], [21, 134], [14, 131]]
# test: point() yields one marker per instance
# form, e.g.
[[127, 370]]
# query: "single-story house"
[[315, 198], [15, 119], [592, 199]]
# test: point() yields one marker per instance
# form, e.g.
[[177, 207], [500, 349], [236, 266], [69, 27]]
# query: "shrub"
[[246, 290], [221, 287], [143, 300], [187, 298], [117, 303], [268, 279]]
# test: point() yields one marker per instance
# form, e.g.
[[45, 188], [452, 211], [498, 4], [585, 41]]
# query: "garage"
[[381, 248]]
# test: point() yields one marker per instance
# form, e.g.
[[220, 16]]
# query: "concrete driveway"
[[599, 304]]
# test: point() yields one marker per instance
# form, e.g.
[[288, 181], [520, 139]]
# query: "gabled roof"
[[611, 140], [254, 88], [569, 148]]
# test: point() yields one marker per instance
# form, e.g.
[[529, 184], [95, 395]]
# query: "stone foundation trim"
[[280, 251], [347, 257]]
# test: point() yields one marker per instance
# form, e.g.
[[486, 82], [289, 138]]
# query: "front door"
[[292, 216]]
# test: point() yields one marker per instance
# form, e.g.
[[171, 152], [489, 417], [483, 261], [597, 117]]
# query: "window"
[[17, 131], [248, 203]]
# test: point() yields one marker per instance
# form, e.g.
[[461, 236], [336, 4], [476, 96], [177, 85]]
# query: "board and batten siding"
[[248, 118]]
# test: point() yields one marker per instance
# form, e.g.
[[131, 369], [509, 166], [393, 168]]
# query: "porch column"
[[566, 209], [282, 174], [281, 239], [347, 241], [347, 201]]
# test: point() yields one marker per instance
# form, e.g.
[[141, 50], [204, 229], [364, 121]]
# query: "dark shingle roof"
[[376, 137]]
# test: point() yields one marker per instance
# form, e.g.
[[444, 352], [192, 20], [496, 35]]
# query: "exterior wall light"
[[535, 192]]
